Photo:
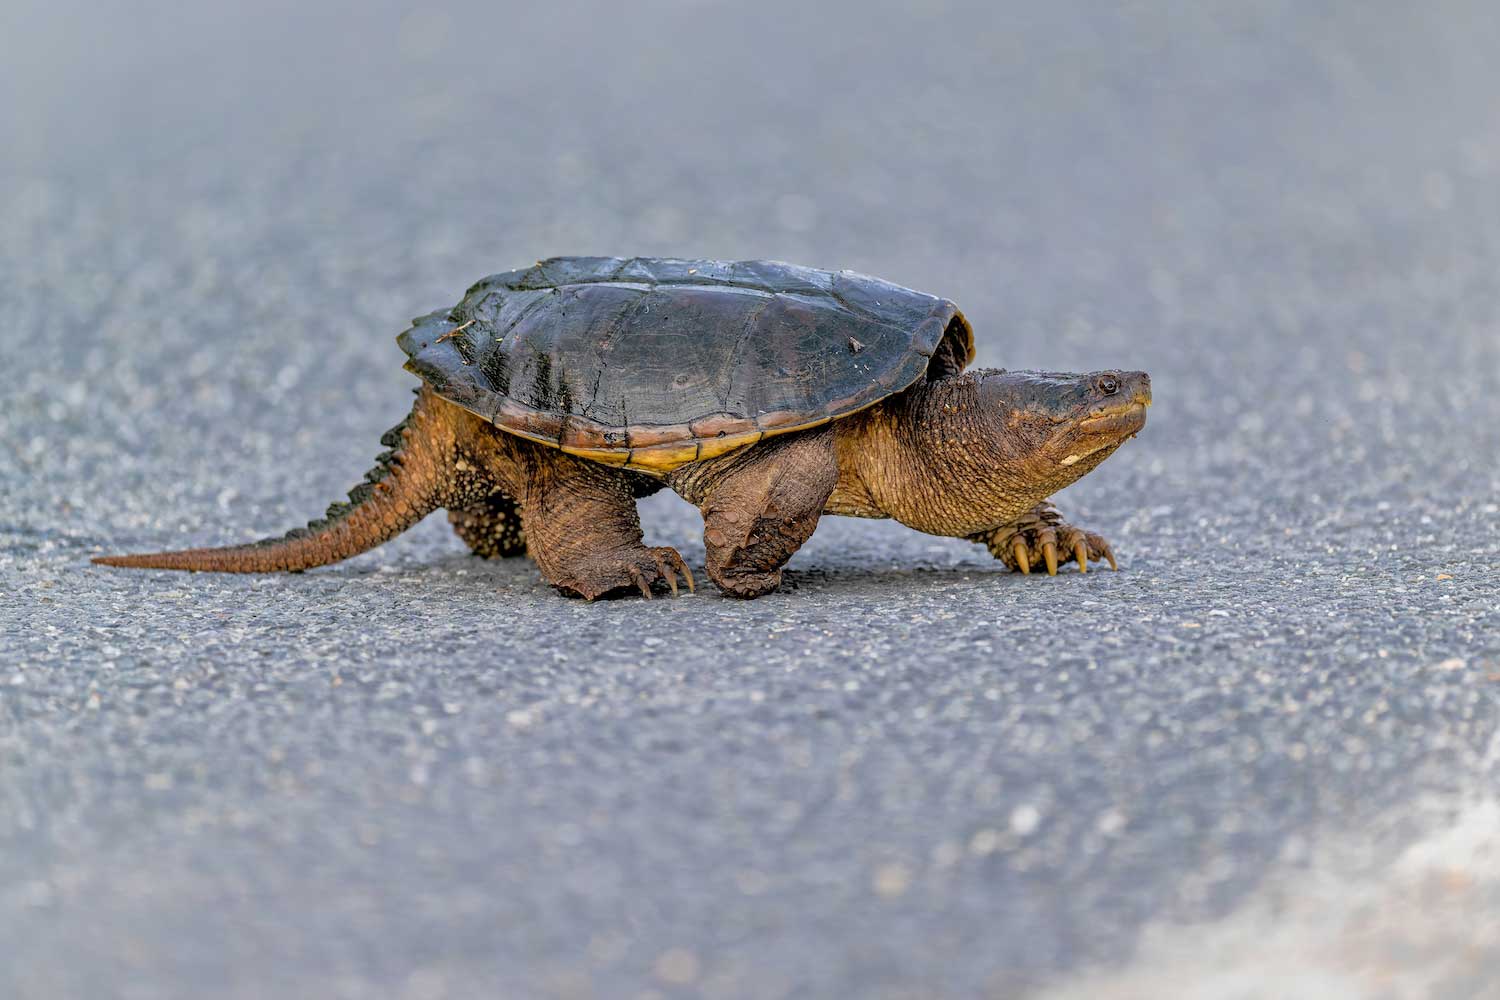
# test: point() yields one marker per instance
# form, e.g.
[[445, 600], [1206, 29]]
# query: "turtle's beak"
[[1119, 422]]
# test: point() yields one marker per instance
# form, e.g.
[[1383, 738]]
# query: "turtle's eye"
[[1109, 385]]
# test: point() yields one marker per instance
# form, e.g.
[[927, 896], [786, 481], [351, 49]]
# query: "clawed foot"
[[1042, 538], [1052, 547], [640, 568]]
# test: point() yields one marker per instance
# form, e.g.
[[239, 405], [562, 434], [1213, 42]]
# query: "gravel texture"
[[908, 774]]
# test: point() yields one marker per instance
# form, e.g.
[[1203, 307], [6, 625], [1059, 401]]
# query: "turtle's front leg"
[[759, 506], [581, 528], [1040, 537]]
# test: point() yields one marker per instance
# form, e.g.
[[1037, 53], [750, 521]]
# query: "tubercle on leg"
[[490, 527]]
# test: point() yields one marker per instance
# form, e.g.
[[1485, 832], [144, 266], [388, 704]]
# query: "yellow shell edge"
[[661, 459]]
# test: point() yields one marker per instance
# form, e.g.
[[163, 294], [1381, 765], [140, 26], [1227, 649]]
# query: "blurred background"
[[1160, 185], [214, 218]]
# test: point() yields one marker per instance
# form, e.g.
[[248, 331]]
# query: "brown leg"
[[760, 506], [1040, 537], [581, 527], [491, 527]]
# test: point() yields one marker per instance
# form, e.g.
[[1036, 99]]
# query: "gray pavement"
[[908, 774]]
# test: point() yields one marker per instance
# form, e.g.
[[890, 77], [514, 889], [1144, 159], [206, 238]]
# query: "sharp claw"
[[676, 563], [1049, 553], [1018, 549], [1082, 555], [664, 567], [640, 581]]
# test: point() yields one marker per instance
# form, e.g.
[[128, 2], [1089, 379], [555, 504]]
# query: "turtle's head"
[[972, 452], [1056, 426]]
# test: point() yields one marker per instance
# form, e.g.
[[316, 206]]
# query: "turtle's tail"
[[408, 482]]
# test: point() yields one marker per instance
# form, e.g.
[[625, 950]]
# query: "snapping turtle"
[[766, 394]]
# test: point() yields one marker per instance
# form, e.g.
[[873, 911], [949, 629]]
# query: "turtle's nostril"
[[1139, 387]]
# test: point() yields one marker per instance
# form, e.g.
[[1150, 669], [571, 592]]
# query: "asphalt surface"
[[909, 773]]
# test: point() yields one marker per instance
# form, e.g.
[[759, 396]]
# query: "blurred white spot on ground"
[[1345, 927], [984, 842], [1024, 820], [677, 966], [891, 880]]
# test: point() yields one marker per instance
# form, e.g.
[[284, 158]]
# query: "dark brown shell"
[[653, 362]]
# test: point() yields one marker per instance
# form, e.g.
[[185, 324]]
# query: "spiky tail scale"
[[408, 482]]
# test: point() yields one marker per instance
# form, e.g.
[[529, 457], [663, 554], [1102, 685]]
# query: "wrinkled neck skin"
[[941, 460]]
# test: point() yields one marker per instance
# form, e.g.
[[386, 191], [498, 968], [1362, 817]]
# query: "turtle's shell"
[[652, 363]]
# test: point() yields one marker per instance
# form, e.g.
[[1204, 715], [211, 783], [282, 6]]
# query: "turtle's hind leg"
[[582, 529]]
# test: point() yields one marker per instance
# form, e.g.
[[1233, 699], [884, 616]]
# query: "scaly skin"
[[759, 506], [491, 527], [968, 456]]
